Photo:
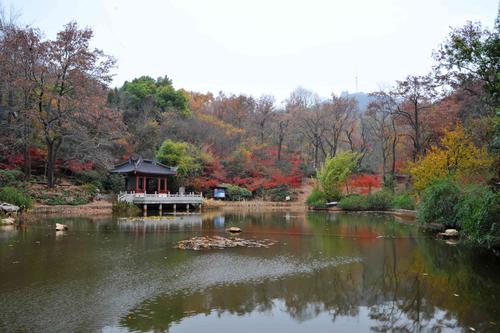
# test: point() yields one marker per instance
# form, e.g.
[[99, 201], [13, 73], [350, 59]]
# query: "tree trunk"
[[280, 143], [27, 162], [52, 147], [418, 147], [50, 164]]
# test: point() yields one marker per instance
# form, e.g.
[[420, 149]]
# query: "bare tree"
[[412, 97], [340, 113], [381, 120], [310, 119], [264, 111]]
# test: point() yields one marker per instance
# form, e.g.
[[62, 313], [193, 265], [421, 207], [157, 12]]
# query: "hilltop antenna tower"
[[356, 79]]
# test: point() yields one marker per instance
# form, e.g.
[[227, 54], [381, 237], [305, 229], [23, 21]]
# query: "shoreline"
[[90, 209], [106, 208]]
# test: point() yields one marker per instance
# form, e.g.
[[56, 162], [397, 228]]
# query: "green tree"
[[146, 92], [470, 60], [185, 156], [334, 173]]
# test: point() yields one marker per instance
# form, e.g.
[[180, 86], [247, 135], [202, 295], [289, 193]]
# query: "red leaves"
[[16, 161], [252, 169], [363, 183], [77, 166]]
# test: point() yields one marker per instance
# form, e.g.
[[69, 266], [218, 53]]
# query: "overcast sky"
[[264, 46]]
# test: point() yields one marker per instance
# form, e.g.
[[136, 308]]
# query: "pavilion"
[[145, 176], [147, 185]]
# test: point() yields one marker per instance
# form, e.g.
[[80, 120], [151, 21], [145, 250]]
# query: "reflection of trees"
[[407, 282], [305, 296]]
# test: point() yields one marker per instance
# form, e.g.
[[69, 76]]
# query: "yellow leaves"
[[457, 157], [214, 121]]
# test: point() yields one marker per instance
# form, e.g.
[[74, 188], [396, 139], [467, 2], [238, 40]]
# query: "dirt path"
[[305, 190]]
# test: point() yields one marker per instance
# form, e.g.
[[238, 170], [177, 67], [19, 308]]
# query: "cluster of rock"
[[218, 242], [448, 233], [9, 211]]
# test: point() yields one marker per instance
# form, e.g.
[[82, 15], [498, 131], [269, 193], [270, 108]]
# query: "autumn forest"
[[62, 120]]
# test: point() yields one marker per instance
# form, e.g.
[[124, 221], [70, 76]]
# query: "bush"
[[10, 177], [403, 201], [355, 202], [90, 190], [115, 183], [57, 201], [376, 201], [91, 176], [279, 193], [334, 172], [236, 193], [317, 198], [478, 212], [381, 200], [15, 197], [439, 204], [123, 207]]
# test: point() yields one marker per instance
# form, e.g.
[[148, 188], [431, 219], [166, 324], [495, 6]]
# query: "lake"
[[329, 272]]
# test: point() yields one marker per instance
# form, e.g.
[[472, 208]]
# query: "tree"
[[470, 59], [58, 82], [310, 119], [16, 89], [281, 128], [340, 113], [413, 97], [264, 111], [382, 124], [456, 158], [334, 172], [184, 156]]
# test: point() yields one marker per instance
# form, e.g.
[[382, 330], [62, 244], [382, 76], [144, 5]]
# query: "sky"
[[261, 47]]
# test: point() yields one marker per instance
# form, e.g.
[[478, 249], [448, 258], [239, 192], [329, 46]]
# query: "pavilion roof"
[[146, 166]]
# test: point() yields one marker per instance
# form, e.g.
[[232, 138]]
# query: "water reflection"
[[346, 272], [161, 223]]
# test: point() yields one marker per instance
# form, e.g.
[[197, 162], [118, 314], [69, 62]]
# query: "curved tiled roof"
[[141, 165]]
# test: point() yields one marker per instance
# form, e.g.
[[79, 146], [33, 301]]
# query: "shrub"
[[478, 212], [91, 176], [76, 201], [114, 183], [334, 172], [123, 207], [56, 201], [381, 200], [354, 202], [90, 190], [403, 201], [15, 197], [279, 193], [236, 193], [10, 177], [439, 203], [317, 198]]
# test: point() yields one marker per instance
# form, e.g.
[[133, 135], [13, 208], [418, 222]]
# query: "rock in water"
[[7, 221], [449, 233], [217, 242], [8, 208], [61, 227], [234, 230]]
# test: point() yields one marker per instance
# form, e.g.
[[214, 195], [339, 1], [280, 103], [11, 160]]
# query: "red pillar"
[[159, 187], [144, 182], [165, 180], [136, 183]]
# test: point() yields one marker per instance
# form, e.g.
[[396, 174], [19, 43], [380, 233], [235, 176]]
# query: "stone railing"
[[161, 198]]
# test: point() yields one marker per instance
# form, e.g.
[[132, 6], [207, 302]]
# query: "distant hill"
[[363, 99]]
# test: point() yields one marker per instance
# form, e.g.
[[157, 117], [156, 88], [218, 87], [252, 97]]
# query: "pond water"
[[329, 272]]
